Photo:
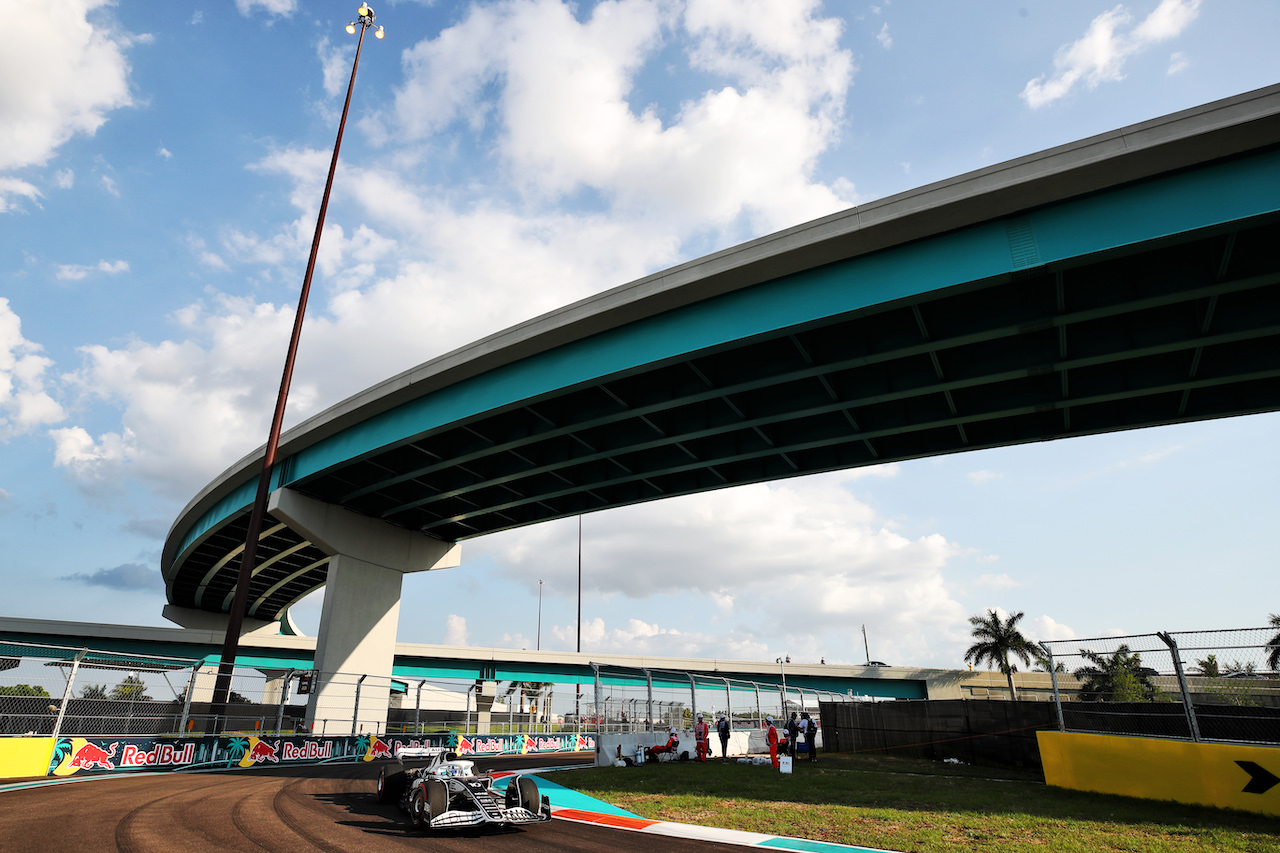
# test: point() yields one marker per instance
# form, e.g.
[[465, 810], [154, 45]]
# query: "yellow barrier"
[[1209, 774], [25, 756]]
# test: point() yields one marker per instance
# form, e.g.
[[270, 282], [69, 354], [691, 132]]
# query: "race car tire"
[[419, 814], [527, 793], [390, 785]]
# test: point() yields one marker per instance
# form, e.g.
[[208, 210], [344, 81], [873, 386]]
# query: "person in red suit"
[[700, 732], [672, 744], [771, 735]]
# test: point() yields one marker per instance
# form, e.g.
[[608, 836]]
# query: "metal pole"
[[235, 621], [66, 693], [1193, 724], [596, 670], [355, 711], [648, 679], [579, 584], [417, 710], [539, 646], [1053, 676], [284, 698], [466, 727], [186, 704], [693, 700], [756, 684]]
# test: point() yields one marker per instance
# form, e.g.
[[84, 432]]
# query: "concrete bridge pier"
[[368, 561]]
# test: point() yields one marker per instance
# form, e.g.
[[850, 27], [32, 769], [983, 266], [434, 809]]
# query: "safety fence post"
[[693, 701], [186, 703], [595, 669], [1193, 725], [355, 708], [728, 702], [67, 692], [1053, 676], [648, 680], [284, 699], [417, 709]]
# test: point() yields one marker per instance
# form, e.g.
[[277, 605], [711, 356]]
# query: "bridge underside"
[[1175, 330], [1125, 281]]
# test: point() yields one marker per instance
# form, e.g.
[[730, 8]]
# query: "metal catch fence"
[[62, 691], [1193, 685], [636, 700]]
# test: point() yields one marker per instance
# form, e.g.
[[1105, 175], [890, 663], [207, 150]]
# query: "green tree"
[[1208, 667], [24, 690], [998, 640], [1118, 677], [94, 691], [1273, 656], [133, 688], [1241, 668]]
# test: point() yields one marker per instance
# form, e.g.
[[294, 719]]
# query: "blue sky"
[[160, 169]]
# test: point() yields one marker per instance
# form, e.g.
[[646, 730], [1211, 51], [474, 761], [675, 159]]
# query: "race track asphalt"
[[329, 808]]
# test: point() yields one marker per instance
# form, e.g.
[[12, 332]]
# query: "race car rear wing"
[[435, 753]]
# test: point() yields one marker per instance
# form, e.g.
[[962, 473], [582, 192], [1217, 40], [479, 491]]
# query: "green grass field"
[[909, 805]]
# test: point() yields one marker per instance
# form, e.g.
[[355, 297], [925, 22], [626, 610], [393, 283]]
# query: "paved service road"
[[330, 808]]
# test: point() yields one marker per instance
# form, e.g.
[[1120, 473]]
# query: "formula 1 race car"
[[446, 793]]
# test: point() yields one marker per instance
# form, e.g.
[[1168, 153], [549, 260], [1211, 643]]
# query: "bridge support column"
[[357, 636]]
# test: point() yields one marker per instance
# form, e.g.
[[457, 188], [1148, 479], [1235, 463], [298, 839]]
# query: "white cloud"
[[637, 637], [24, 403], [1100, 54], [1045, 628], [74, 72], [1000, 581], [801, 560], [64, 179], [164, 153], [271, 7], [564, 122], [76, 272], [455, 631], [886, 40], [335, 64], [12, 187], [109, 184], [1178, 62], [983, 476]]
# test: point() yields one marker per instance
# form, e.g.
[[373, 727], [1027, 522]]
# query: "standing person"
[[700, 732], [771, 735], [793, 732], [810, 735], [722, 729]]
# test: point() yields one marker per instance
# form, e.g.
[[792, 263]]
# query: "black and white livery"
[[445, 792]]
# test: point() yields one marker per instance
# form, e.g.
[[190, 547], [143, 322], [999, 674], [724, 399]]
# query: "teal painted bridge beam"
[[1127, 280]]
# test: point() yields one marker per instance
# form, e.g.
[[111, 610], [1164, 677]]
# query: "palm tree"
[[1273, 656], [1119, 677], [997, 640]]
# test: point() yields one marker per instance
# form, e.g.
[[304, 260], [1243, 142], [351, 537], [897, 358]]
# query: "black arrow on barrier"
[[1263, 780]]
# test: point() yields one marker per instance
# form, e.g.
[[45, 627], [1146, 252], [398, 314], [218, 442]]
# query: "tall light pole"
[[231, 645], [539, 647]]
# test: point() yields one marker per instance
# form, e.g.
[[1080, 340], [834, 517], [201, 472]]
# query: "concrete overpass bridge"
[[1123, 281]]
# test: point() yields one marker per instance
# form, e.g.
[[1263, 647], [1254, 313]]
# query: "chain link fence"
[[1193, 685], [64, 691], [638, 700]]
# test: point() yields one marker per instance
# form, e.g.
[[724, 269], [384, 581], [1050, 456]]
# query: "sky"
[[161, 166]]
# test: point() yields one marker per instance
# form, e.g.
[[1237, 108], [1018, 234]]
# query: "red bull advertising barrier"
[[74, 756]]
